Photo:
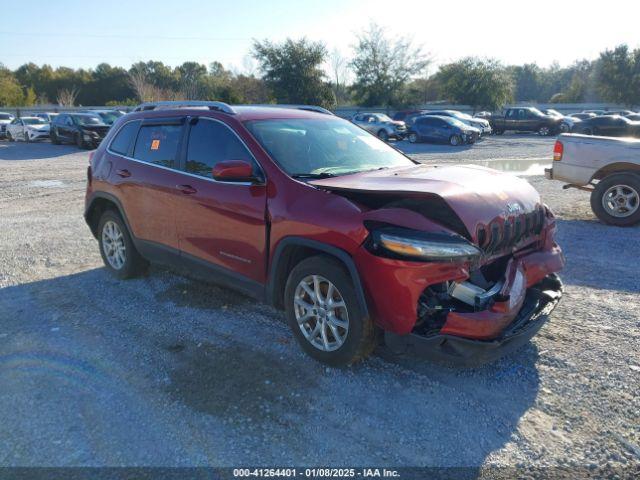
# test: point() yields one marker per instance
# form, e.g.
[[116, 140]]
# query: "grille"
[[502, 235]]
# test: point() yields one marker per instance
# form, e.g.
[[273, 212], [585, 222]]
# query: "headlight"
[[434, 247]]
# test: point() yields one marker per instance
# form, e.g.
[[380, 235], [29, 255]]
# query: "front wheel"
[[79, 141], [616, 199], [455, 140], [54, 138], [325, 315], [413, 138], [9, 137], [383, 135], [564, 128], [544, 131], [117, 249]]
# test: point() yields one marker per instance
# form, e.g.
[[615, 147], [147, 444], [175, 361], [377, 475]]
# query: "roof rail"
[[311, 108], [165, 105]]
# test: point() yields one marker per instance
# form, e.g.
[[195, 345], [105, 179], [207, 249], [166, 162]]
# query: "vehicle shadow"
[[228, 372], [600, 256], [34, 151]]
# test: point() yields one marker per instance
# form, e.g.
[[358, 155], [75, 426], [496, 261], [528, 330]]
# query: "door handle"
[[123, 173], [187, 189]]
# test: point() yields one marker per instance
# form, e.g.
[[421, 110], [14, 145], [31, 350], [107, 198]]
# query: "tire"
[[616, 199], [26, 138], [80, 142], [131, 264], [587, 131], [54, 138], [455, 140], [383, 135], [498, 132], [413, 138], [564, 128], [353, 343], [544, 131], [9, 137]]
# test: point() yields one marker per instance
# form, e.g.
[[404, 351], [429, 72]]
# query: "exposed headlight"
[[434, 247]]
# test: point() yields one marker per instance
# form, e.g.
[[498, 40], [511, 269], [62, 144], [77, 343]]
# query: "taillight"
[[558, 150]]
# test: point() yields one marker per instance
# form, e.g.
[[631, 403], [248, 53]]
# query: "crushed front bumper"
[[539, 302]]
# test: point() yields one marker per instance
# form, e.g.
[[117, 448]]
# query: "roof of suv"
[[241, 112]]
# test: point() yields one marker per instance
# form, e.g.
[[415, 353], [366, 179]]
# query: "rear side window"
[[124, 138], [211, 142], [158, 144]]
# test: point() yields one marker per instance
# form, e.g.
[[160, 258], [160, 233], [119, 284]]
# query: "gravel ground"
[[165, 371]]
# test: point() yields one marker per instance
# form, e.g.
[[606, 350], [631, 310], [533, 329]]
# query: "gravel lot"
[[165, 371]]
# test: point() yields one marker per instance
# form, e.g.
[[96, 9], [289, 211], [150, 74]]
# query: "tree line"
[[383, 72]]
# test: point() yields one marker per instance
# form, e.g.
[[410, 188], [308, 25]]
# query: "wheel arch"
[[617, 167], [291, 251], [101, 202]]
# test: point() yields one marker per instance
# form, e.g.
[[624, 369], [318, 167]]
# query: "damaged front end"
[[466, 300], [460, 263]]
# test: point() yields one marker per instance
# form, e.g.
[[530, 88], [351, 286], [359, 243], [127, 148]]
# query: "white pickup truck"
[[607, 167]]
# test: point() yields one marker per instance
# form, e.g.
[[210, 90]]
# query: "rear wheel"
[[116, 247], [413, 138], [616, 199], [324, 313], [544, 131], [564, 128], [383, 135], [455, 140], [587, 131], [26, 137]]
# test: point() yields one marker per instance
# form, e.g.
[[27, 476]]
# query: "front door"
[[222, 223]]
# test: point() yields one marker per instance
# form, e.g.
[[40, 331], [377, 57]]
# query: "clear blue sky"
[[83, 33]]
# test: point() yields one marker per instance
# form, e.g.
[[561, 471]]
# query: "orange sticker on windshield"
[[155, 144]]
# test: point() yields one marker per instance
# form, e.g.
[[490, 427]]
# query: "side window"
[[158, 144], [511, 113], [358, 118], [59, 120], [124, 138], [211, 142], [68, 121]]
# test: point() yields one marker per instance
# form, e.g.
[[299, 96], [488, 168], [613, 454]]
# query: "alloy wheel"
[[621, 201], [321, 313], [113, 245]]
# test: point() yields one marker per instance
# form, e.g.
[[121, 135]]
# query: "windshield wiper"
[[313, 175]]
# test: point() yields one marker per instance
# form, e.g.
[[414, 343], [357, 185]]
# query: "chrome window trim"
[[177, 170]]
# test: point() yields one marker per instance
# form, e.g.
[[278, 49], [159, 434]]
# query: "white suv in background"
[[28, 129], [5, 119]]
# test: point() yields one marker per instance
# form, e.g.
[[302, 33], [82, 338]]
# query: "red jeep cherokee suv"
[[315, 216]]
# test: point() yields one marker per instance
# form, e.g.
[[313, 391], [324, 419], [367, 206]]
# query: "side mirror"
[[233, 171]]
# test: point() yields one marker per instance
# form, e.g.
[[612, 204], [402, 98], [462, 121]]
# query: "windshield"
[[32, 121], [462, 115], [109, 117], [455, 122], [382, 117], [323, 147], [88, 120]]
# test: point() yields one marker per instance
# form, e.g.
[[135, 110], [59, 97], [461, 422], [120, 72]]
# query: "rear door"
[[222, 223], [147, 178]]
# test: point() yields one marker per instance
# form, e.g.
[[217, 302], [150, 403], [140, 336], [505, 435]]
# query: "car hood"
[[5, 122], [478, 196], [41, 127], [479, 121]]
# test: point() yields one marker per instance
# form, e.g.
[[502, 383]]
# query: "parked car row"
[[84, 128], [552, 122]]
